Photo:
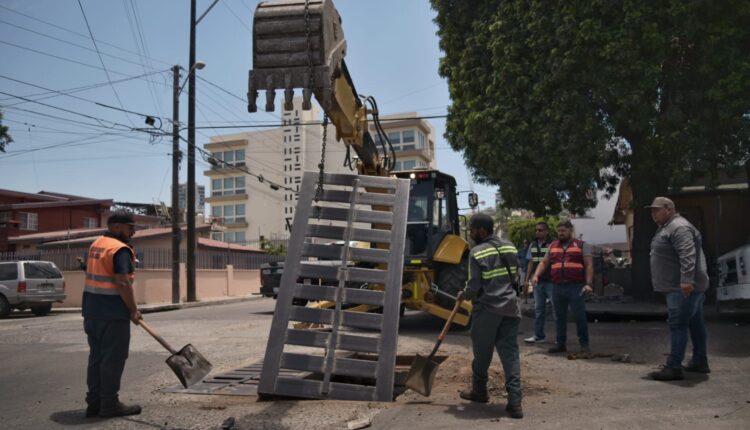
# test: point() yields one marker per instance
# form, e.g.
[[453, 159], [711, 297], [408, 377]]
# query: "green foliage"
[[523, 229], [554, 99], [5, 138], [272, 248]]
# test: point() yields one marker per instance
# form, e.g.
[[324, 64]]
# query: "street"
[[44, 360]]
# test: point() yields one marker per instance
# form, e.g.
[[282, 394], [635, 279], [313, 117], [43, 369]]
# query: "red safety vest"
[[567, 263], [100, 267]]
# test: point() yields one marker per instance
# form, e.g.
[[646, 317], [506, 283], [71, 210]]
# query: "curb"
[[163, 307]]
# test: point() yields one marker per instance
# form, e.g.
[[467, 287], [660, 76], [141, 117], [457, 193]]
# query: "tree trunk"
[[647, 182]]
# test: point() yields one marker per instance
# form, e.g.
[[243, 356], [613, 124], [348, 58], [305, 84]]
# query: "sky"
[[70, 144]]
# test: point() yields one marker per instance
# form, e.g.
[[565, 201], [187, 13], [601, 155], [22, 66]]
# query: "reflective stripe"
[[507, 249], [100, 278], [497, 273], [102, 291], [537, 259]]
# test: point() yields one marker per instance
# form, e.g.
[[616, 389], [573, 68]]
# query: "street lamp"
[[176, 156]]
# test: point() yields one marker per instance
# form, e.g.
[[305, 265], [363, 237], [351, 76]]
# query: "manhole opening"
[[403, 364]]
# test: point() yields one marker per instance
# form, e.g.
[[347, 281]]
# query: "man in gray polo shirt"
[[678, 270]]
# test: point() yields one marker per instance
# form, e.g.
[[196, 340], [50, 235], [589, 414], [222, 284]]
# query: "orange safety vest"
[[100, 267], [567, 263]]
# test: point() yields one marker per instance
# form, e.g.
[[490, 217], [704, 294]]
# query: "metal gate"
[[346, 200]]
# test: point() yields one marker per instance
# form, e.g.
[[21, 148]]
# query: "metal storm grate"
[[323, 264]]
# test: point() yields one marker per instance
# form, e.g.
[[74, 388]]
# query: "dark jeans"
[[109, 341], [490, 331], [542, 292], [686, 318], [569, 295]]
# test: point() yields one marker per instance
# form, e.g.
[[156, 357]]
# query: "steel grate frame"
[[320, 249]]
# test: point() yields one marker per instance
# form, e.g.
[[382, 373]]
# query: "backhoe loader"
[[301, 44]]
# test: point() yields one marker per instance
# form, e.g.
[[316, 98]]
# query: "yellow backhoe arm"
[[300, 44]]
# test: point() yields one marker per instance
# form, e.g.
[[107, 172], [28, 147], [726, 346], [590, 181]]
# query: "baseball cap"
[[661, 202], [482, 221], [121, 217]]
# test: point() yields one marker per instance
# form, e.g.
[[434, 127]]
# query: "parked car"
[[31, 285]]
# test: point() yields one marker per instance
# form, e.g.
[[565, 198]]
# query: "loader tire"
[[451, 278]]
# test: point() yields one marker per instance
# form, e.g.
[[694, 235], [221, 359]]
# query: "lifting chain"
[[311, 87], [322, 165]]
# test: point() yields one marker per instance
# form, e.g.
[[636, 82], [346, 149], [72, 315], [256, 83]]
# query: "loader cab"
[[432, 213]]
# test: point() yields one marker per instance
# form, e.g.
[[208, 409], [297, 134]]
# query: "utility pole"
[[191, 239], [176, 155]]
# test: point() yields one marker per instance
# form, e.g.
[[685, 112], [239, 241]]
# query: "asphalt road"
[[43, 361]]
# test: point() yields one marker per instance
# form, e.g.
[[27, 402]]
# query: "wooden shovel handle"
[[459, 299], [157, 336]]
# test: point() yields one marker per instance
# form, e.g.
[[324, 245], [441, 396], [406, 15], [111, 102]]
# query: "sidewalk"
[[161, 307]]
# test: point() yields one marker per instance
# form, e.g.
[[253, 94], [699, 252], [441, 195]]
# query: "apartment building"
[[261, 203], [413, 140]]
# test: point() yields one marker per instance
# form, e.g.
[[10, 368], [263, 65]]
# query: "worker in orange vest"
[[108, 307], [572, 272]]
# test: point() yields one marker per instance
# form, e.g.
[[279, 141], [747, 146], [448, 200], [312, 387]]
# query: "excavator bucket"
[[296, 44]]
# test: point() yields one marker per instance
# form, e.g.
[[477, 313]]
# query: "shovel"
[[188, 364], [423, 369]]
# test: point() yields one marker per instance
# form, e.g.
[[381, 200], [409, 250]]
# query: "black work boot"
[[667, 374], [515, 411], [92, 411], [469, 394], [120, 410], [557, 348], [697, 368]]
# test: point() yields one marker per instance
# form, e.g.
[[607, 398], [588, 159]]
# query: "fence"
[[156, 258]]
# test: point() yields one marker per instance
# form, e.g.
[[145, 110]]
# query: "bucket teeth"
[[252, 94], [306, 95], [270, 94], [288, 92]]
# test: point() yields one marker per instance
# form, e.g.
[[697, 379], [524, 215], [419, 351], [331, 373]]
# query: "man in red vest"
[[572, 272], [108, 308]]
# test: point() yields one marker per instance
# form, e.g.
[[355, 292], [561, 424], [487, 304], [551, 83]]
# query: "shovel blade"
[[189, 365], [422, 375]]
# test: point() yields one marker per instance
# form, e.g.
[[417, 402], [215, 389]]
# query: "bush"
[[523, 229]]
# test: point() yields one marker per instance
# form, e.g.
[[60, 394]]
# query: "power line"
[[68, 42], [76, 33], [315, 123], [101, 60], [75, 89], [114, 124]]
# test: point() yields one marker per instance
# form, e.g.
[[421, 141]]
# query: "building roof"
[[210, 243], [55, 204], [83, 235], [49, 236]]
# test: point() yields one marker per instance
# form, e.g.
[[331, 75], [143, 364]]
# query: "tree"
[[5, 138], [552, 100]]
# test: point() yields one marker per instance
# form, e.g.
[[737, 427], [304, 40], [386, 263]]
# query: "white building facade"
[[413, 140], [250, 208]]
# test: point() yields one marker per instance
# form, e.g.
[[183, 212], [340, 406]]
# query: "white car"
[[31, 285]]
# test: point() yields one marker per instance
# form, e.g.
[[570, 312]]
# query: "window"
[[8, 271], [234, 158], [409, 164], [41, 270], [216, 236], [407, 136], [90, 222], [29, 221], [420, 143], [230, 213], [228, 186], [5, 216], [234, 237], [394, 137]]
